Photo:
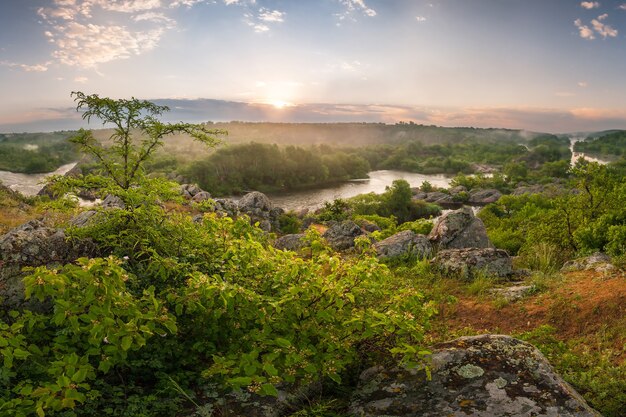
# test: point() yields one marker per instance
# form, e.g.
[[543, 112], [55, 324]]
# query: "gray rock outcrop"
[[467, 263], [435, 197], [599, 262], [260, 209], [340, 236], [459, 229], [484, 197], [34, 244], [480, 376], [404, 244]]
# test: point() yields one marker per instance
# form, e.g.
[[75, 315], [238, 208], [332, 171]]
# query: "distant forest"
[[610, 145]]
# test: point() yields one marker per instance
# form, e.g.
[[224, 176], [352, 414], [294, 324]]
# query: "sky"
[[541, 65]]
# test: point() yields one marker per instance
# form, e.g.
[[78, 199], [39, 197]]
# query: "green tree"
[[137, 134]]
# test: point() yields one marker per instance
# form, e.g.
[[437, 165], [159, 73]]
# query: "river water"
[[30, 184], [376, 183]]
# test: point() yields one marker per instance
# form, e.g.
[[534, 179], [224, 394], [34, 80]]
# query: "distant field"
[[33, 153]]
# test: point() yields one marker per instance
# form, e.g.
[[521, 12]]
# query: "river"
[[30, 184], [376, 183]]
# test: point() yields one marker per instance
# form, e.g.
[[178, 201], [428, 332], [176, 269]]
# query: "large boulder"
[[340, 236], [483, 197], [226, 207], [404, 244], [459, 229], [481, 376], [260, 209], [34, 244], [467, 263]]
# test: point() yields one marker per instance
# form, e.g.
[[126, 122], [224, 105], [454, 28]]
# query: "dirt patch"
[[584, 304]]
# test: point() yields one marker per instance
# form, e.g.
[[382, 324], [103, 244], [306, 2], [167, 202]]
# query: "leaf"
[[80, 375], [127, 341], [269, 389], [282, 342], [270, 369], [21, 354]]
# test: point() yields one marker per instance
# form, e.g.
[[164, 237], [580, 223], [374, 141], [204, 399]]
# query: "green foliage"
[[289, 223], [548, 230], [33, 153], [264, 167], [267, 317], [337, 210], [609, 145], [396, 201], [592, 372]]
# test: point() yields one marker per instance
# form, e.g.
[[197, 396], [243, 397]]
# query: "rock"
[[292, 242], [201, 196], [599, 262], [434, 197], [190, 190], [369, 227], [226, 207], [480, 376], [466, 263], [260, 209], [459, 229], [484, 197], [513, 293], [340, 236], [243, 403], [404, 244], [457, 190], [113, 201], [34, 244], [84, 218]]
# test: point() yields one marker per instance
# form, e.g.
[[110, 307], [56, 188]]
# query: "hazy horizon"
[[542, 66]]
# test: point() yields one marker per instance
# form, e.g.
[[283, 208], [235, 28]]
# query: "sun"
[[279, 104]]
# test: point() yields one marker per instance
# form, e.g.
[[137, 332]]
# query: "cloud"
[[420, 18], [229, 2], [81, 38], [25, 67], [261, 19], [352, 7], [585, 31], [602, 29], [589, 5], [623, 6], [81, 80], [267, 15], [582, 84]]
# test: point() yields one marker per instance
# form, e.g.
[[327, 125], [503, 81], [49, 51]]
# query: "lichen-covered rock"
[[459, 229], [226, 207], [34, 244], [260, 209], [484, 197], [369, 227], [340, 236], [404, 244], [513, 293], [291, 242], [466, 263], [480, 376], [599, 262]]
